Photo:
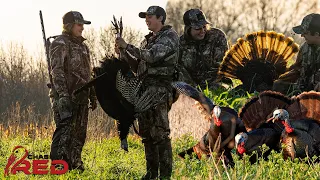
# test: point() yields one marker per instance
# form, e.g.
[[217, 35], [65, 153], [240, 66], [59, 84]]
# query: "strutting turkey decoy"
[[254, 115], [224, 122], [301, 135], [109, 97], [258, 60]]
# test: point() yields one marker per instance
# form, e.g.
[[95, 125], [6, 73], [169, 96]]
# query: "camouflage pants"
[[69, 137], [154, 130]]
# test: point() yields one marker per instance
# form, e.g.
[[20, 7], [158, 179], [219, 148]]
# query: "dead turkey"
[[110, 99], [258, 60], [222, 126], [301, 135]]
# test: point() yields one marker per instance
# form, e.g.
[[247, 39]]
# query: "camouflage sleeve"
[[220, 46], [165, 45], [293, 72], [183, 74], [58, 53]]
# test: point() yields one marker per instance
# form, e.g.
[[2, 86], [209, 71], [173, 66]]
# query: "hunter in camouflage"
[[201, 50], [70, 69], [156, 58], [305, 72]]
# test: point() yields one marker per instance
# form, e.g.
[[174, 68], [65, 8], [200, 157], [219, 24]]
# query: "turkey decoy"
[[252, 141], [223, 120], [258, 60], [254, 115], [301, 135]]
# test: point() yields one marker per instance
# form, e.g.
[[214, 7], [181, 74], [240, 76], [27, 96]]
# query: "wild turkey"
[[258, 60], [302, 126], [110, 99], [223, 120], [254, 115]]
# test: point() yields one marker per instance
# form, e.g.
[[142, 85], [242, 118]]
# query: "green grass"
[[105, 160]]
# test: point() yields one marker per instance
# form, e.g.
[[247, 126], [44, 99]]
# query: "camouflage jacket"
[[70, 67], [201, 59], [157, 56], [307, 66]]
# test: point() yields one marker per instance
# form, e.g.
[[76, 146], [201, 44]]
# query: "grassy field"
[[105, 160]]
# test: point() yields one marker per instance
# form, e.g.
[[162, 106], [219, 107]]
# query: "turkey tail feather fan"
[[257, 110], [305, 106], [258, 60]]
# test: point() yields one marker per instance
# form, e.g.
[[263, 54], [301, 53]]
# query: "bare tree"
[[236, 18], [23, 79]]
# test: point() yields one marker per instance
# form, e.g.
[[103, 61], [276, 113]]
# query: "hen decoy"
[[223, 120], [301, 135]]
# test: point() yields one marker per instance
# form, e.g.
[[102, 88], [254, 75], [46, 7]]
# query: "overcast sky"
[[21, 23]]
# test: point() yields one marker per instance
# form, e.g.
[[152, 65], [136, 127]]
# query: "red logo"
[[39, 166]]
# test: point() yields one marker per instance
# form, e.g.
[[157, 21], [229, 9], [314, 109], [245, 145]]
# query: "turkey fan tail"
[[305, 106], [234, 59], [259, 59], [280, 61], [252, 39], [276, 40], [257, 110], [262, 44]]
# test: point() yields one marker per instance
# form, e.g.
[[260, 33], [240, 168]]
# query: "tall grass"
[[105, 160]]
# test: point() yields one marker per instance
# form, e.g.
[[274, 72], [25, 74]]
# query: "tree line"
[[23, 78]]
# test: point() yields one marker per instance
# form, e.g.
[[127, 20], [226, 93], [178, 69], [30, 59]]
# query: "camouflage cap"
[[153, 10], [74, 17], [195, 18], [310, 22]]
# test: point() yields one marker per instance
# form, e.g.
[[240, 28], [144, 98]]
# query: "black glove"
[[65, 107]]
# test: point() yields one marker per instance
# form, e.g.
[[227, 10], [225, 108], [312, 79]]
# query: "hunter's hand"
[[121, 43]]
